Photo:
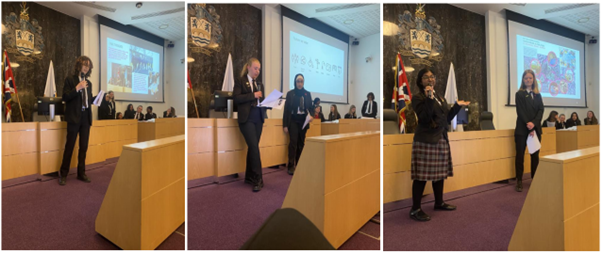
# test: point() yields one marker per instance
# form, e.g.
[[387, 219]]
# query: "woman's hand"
[[463, 103], [285, 129], [530, 125], [426, 91]]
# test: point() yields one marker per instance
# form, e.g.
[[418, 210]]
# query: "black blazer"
[[148, 116], [528, 110], [349, 116], [106, 112], [73, 100], [321, 116], [570, 123], [560, 125], [433, 119], [289, 110], [332, 118], [592, 122], [365, 107], [244, 98], [140, 116], [129, 114]]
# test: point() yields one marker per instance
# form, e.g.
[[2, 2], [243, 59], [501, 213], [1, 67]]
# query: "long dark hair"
[[575, 113], [552, 116], [78, 65], [419, 78], [336, 111], [370, 94], [128, 108], [173, 112], [593, 116]]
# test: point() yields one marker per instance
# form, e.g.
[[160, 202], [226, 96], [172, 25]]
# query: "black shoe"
[[445, 207], [257, 187], [84, 178], [235, 175], [248, 181], [62, 180], [291, 171], [419, 215], [519, 186]]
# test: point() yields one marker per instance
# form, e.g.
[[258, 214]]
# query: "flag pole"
[[20, 108], [194, 100]]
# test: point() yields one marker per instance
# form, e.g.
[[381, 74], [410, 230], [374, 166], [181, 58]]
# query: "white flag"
[[228, 84], [451, 93], [50, 90]]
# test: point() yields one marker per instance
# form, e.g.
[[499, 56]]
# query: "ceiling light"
[[164, 26], [583, 20], [348, 22], [190, 59]]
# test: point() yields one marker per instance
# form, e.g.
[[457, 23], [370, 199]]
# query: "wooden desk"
[[201, 148], [337, 183], [47, 141], [478, 157], [315, 129], [145, 202], [19, 149], [584, 137], [350, 125], [161, 128], [562, 209]]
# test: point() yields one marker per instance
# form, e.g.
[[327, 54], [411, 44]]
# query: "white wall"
[[175, 75], [363, 77], [504, 117]]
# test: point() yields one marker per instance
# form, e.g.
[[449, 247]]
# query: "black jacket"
[[73, 100], [570, 123], [332, 118], [244, 98], [374, 109], [140, 116], [560, 125], [349, 116], [592, 122], [105, 111], [148, 116], [129, 114], [433, 119], [528, 110], [320, 116], [289, 110]]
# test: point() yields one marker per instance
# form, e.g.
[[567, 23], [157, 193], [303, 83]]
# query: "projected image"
[[319, 62], [554, 66], [132, 69]]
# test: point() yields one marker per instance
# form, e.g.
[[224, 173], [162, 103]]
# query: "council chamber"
[[88, 160], [283, 127], [496, 106]]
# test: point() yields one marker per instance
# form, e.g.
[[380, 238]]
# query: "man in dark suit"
[[248, 92], [139, 115], [77, 94]]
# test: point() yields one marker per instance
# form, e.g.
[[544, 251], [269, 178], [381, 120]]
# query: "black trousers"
[[519, 162], [83, 129], [296, 144], [251, 131]]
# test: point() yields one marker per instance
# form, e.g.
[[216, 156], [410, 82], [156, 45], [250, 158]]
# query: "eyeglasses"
[[300, 81], [428, 77]]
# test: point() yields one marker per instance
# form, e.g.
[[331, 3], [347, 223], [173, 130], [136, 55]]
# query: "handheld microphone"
[[429, 92]]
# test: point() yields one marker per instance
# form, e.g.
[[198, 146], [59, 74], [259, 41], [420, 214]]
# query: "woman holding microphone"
[[248, 92], [529, 111], [297, 108], [431, 156]]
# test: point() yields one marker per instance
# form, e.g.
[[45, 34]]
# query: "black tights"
[[418, 190]]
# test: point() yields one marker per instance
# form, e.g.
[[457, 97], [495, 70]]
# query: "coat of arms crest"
[[204, 29], [23, 36], [419, 38]]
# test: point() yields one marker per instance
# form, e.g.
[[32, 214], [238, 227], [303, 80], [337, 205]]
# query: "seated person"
[[591, 118], [318, 114], [129, 112], [119, 115], [551, 121], [370, 108], [170, 112], [574, 121], [139, 114], [149, 113], [560, 124], [334, 113], [351, 114]]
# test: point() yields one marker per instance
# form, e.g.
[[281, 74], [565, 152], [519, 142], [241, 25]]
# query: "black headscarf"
[[299, 101]]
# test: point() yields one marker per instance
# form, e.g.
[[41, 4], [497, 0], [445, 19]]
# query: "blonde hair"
[[250, 62], [535, 86], [350, 108]]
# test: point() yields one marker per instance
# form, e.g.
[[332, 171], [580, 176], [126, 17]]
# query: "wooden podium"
[[585, 136], [562, 209], [337, 183], [145, 202]]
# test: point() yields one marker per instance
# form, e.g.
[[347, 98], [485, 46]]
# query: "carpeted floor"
[[42, 215], [484, 221], [224, 216]]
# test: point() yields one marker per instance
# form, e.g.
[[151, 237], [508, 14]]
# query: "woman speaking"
[[431, 156], [296, 109], [247, 94], [529, 111]]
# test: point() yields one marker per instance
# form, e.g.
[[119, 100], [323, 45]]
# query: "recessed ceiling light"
[[347, 22], [164, 26], [583, 20]]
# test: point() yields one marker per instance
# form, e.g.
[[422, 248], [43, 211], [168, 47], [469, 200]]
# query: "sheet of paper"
[[533, 144], [99, 97], [307, 118], [274, 96]]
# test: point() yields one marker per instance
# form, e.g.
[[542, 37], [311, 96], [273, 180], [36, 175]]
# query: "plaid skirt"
[[431, 162]]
